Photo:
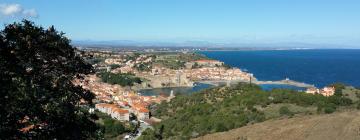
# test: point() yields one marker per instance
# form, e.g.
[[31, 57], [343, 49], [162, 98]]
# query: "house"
[[105, 108], [204, 62], [143, 114], [328, 91], [120, 114], [114, 111], [141, 111], [312, 90], [212, 63]]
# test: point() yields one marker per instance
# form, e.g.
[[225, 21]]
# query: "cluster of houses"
[[204, 62], [114, 111], [118, 101], [127, 66], [326, 91], [123, 114], [114, 61], [218, 73]]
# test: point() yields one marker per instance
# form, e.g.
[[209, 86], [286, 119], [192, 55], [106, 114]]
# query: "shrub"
[[285, 111], [329, 109]]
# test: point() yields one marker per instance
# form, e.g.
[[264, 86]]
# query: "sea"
[[319, 67]]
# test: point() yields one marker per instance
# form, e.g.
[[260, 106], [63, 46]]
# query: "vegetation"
[[37, 67], [114, 66], [339, 87], [93, 61], [187, 57], [123, 79], [172, 64], [223, 108], [285, 111], [143, 67], [196, 65], [177, 61], [111, 128]]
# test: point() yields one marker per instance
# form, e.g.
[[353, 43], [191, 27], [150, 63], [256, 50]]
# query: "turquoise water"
[[268, 87], [319, 67], [176, 90]]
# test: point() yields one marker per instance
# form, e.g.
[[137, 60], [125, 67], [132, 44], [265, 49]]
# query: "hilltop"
[[336, 126]]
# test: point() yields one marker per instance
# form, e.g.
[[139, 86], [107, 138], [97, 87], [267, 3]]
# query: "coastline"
[[215, 83], [279, 82]]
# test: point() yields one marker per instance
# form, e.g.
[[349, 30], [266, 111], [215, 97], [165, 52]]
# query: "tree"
[[38, 98]]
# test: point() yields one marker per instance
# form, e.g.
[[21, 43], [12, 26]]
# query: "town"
[[155, 71], [120, 76]]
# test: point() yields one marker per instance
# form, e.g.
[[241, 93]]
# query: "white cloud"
[[16, 10], [10, 9], [30, 13]]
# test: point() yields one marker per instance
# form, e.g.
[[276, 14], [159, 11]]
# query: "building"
[[114, 111], [326, 91], [120, 114], [312, 90], [143, 114], [212, 63], [113, 61], [141, 111], [204, 62]]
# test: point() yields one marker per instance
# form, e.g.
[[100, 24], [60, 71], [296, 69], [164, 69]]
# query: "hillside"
[[336, 126], [222, 109]]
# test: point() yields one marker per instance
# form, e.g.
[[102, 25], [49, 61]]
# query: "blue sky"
[[227, 21]]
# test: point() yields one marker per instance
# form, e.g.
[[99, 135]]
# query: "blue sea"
[[320, 67]]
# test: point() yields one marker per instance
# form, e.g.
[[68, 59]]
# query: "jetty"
[[285, 82]]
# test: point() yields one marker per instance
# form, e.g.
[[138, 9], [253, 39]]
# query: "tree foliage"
[[37, 67], [123, 79]]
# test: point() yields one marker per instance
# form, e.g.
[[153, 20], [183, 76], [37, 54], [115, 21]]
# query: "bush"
[[338, 88], [329, 109], [285, 111]]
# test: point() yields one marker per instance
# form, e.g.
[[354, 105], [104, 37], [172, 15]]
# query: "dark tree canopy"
[[37, 97]]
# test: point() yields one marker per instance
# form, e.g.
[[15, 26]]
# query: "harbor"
[[259, 82]]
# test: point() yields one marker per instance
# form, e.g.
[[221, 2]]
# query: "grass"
[[272, 110], [351, 93]]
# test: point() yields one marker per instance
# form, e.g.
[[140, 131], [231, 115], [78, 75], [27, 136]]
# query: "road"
[[142, 128]]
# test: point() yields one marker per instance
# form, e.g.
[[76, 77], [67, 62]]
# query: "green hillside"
[[224, 108]]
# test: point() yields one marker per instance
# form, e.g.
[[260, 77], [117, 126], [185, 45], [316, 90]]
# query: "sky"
[[224, 21]]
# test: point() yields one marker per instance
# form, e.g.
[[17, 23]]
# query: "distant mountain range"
[[285, 45]]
